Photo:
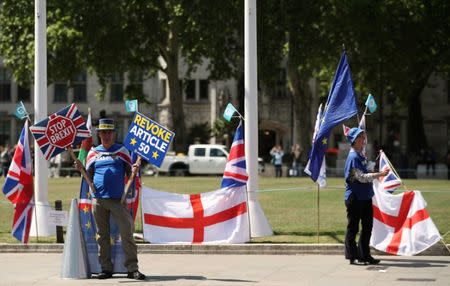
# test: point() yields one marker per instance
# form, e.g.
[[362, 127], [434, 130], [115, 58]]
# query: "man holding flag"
[[358, 200], [107, 165]]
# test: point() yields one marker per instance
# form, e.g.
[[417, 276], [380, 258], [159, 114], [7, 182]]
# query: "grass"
[[290, 205]]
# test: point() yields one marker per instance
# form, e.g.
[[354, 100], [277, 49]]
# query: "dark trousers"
[[358, 211], [102, 209], [278, 171]]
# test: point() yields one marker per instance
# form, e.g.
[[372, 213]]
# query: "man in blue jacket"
[[358, 200]]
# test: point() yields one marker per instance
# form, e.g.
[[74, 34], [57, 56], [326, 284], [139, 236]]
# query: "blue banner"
[[148, 139]]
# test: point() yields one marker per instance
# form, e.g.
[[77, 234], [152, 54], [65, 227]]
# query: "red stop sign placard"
[[60, 131]]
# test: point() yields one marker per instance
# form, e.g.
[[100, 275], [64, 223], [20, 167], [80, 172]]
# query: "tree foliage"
[[396, 46], [111, 37], [393, 48]]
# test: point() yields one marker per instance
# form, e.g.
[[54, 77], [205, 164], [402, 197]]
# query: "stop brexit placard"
[[61, 130]]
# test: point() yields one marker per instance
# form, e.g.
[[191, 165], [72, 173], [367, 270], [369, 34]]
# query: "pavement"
[[39, 268]]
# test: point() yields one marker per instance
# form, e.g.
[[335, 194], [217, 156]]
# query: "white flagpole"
[[258, 221], [40, 112]]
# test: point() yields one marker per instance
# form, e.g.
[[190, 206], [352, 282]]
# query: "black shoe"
[[370, 260], [136, 275], [104, 275], [353, 261]]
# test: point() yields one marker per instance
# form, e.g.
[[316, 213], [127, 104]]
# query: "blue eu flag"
[[341, 105]]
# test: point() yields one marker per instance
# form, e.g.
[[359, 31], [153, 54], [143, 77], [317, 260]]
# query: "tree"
[[111, 37], [393, 47], [397, 46], [300, 33]]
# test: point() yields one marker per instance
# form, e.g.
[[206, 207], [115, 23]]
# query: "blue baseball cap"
[[106, 124], [353, 134]]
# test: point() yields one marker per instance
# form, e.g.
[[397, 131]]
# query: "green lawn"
[[290, 204]]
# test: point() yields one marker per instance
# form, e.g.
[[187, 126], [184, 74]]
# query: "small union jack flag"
[[391, 181], [345, 129], [69, 113], [18, 187], [235, 174]]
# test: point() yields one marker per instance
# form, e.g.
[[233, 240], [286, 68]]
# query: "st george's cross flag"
[[401, 224], [63, 129], [207, 218], [391, 181], [235, 174], [18, 187]]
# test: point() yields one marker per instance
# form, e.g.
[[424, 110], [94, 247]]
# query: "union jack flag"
[[235, 174], [391, 181], [70, 113], [18, 187]]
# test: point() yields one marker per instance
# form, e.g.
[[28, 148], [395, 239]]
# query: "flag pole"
[[318, 212], [393, 170], [83, 172], [34, 191], [130, 180], [260, 224], [443, 242]]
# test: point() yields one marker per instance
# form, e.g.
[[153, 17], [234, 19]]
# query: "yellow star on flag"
[[86, 209], [88, 225], [155, 155], [324, 141], [133, 141]]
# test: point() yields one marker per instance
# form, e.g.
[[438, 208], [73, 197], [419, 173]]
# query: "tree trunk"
[[302, 109], [416, 133], [176, 97]]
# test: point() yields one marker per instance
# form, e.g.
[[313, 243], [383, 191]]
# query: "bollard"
[[59, 229]]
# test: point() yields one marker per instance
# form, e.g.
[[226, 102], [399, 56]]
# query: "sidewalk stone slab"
[[248, 249]]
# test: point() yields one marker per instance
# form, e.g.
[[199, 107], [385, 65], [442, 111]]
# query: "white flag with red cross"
[[207, 218], [401, 224]]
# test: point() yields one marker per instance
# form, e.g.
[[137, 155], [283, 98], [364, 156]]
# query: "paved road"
[[190, 269]]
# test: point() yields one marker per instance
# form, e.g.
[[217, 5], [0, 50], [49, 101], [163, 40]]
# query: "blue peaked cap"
[[353, 134], [106, 124]]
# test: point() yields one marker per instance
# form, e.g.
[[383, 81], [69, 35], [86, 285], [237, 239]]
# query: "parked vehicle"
[[202, 159]]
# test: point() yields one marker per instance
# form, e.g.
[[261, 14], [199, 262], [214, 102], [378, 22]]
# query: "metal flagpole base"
[[74, 263]]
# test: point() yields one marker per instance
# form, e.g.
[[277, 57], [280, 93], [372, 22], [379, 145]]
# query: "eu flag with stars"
[[341, 105]]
